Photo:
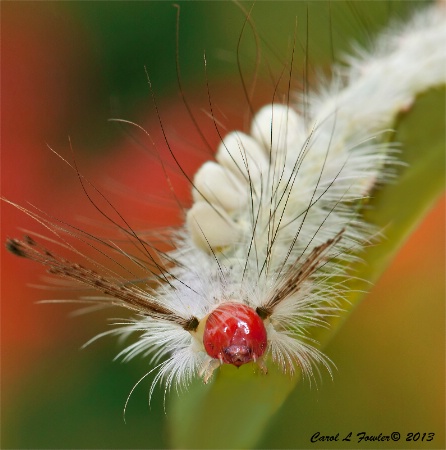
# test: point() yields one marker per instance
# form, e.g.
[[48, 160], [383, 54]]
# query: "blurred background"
[[68, 67]]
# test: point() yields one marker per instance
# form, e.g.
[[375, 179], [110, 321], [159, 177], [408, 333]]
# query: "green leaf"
[[233, 410]]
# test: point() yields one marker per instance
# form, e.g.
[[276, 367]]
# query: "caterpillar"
[[274, 224]]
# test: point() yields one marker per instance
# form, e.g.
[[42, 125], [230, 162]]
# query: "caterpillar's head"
[[234, 334]]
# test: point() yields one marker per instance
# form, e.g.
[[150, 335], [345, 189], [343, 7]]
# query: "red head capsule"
[[234, 333]]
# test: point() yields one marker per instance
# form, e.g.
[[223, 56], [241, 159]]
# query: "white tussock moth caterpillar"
[[253, 244]]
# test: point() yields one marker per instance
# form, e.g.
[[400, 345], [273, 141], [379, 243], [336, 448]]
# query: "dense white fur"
[[288, 186]]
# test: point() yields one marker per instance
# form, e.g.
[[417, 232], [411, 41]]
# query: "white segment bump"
[[219, 186], [243, 156], [211, 227], [278, 128]]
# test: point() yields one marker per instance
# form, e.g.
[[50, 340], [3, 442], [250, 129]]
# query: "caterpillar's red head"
[[235, 334]]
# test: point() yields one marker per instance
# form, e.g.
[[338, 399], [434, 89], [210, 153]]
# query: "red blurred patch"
[[41, 72]]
